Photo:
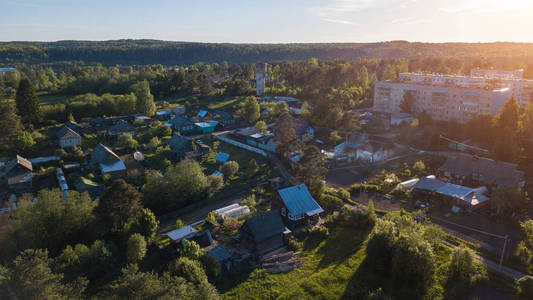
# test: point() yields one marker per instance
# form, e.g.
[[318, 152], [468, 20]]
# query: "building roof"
[[64, 131], [179, 121], [102, 154], [178, 142], [120, 127], [247, 131], [179, 234], [485, 170], [85, 183], [301, 126], [299, 201], [428, 184], [219, 253], [222, 157], [206, 124], [265, 226], [202, 113], [18, 160]]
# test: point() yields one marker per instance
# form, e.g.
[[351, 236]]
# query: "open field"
[[46, 99]]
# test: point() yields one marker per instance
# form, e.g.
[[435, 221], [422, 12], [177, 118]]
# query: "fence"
[[221, 137]]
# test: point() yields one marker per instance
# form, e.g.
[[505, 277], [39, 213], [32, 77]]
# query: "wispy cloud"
[[409, 21], [341, 11], [487, 6], [339, 21]]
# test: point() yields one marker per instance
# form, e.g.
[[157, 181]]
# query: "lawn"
[[224, 104], [47, 99], [328, 270]]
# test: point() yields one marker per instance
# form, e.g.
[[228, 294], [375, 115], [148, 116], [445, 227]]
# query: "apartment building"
[[445, 97]]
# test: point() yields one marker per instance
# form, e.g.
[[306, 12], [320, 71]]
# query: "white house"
[[68, 138]]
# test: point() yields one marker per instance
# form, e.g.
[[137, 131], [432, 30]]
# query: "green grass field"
[[46, 99], [328, 269]]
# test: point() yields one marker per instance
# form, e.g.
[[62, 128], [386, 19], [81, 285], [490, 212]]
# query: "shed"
[[222, 157]]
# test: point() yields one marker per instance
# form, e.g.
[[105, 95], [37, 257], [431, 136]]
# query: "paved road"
[[492, 265]]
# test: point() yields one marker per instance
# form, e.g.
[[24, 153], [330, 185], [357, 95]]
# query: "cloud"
[[339, 21], [487, 6], [340, 11], [409, 21]]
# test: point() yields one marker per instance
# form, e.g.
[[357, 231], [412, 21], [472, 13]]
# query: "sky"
[[268, 21]]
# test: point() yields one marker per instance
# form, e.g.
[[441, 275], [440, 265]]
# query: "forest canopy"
[[143, 52]]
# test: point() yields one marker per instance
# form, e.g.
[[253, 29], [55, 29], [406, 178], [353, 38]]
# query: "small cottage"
[[107, 161], [18, 173], [263, 233], [68, 138], [295, 204]]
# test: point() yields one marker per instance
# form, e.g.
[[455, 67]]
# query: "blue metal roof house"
[[296, 204]]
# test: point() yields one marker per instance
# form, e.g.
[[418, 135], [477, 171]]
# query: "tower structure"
[[260, 71]]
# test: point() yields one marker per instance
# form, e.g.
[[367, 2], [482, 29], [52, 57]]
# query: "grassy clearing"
[[224, 104], [46, 99], [328, 268]]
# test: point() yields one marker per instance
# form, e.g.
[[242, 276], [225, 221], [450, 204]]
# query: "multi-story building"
[[446, 97]]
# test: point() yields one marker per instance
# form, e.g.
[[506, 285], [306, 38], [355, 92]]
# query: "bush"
[[136, 248], [294, 244], [330, 202], [230, 168], [189, 269]]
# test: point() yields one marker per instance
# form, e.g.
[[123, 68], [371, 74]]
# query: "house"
[[178, 110], [177, 235], [179, 145], [225, 118], [295, 204], [142, 119], [94, 189], [294, 158], [457, 195], [375, 149], [18, 173], [222, 157], [100, 122], [107, 161], [263, 233], [68, 138], [206, 127], [74, 126], [120, 127], [468, 169], [182, 124], [347, 150], [263, 141], [400, 118], [203, 116], [303, 130], [222, 256], [163, 115]]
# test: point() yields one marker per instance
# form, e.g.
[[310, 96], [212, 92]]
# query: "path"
[[282, 169], [492, 265]]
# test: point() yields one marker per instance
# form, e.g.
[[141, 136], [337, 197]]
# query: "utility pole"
[[503, 251]]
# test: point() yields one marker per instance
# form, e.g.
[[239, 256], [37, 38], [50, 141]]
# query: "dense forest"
[[143, 52]]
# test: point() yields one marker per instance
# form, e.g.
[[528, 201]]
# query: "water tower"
[[260, 71]]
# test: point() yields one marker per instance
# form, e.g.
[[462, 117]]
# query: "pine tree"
[[145, 100], [28, 105], [9, 121]]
